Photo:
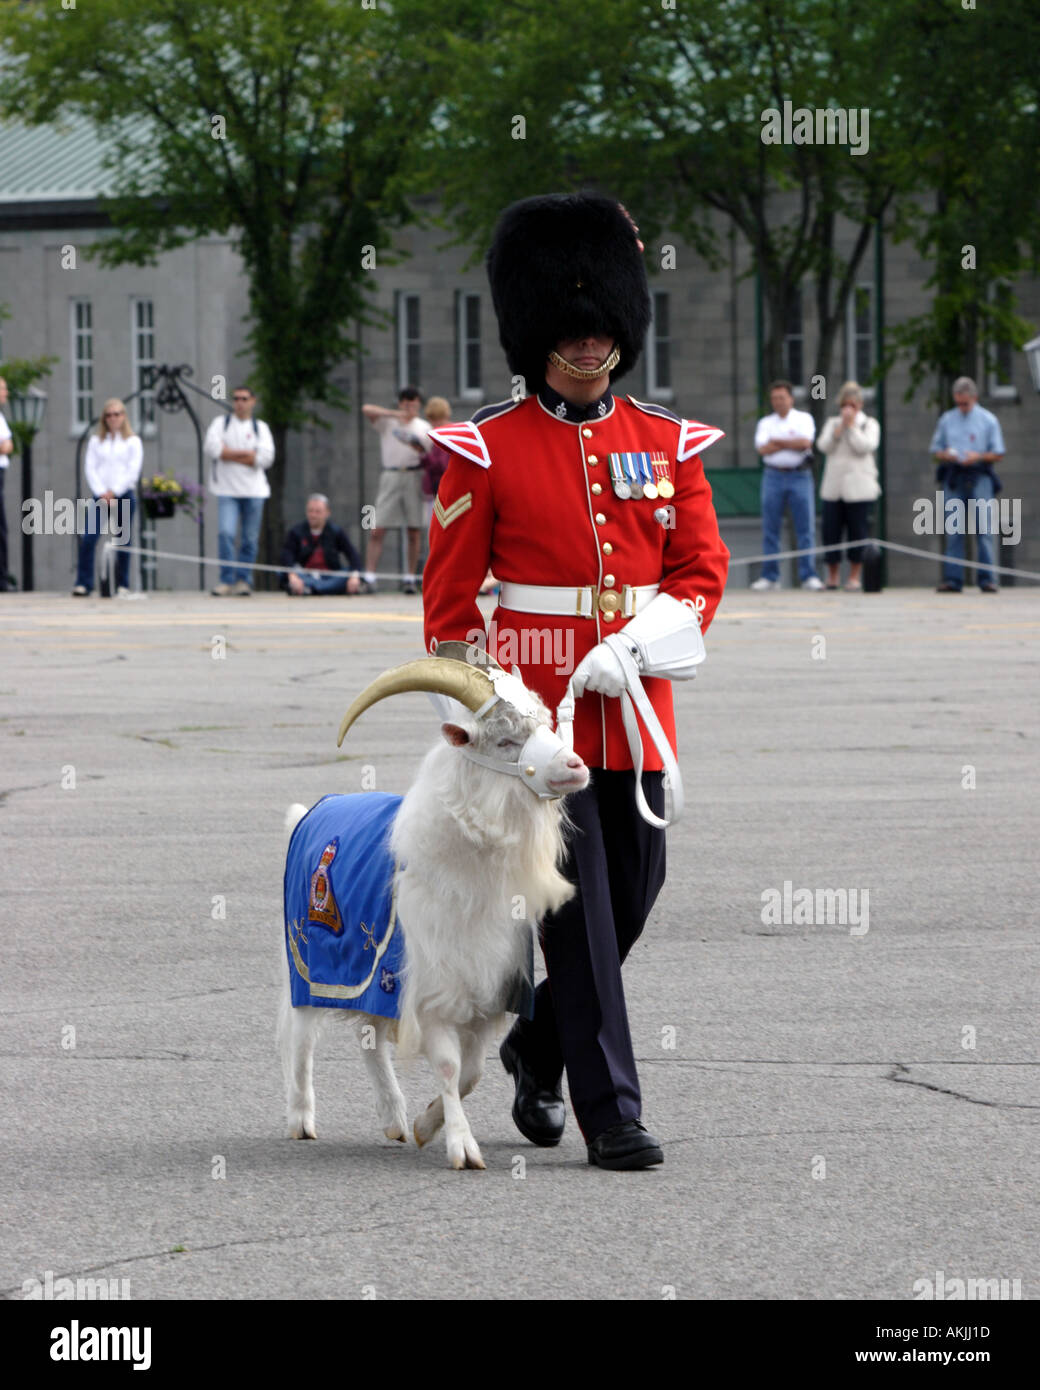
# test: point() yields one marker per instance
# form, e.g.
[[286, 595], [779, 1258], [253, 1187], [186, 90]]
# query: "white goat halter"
[[540, 748]]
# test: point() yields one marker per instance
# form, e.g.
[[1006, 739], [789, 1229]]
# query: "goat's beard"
[[469, 886], [496, 815]]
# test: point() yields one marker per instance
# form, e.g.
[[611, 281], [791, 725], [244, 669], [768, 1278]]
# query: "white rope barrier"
[[112, 548], [886, 545]]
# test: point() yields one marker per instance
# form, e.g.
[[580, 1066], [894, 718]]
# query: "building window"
[[142, 360], [409, 365], [659, 348], [467, 338], [859, 337], [1000, 352], [82, 323], [794, 343]]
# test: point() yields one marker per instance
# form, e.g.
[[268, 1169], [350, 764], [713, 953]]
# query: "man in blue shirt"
[[966, 444]]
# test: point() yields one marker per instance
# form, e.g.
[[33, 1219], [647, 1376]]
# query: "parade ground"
[[834, 1005]]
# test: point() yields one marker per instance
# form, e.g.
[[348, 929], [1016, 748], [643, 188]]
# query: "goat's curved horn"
[[438, 675]]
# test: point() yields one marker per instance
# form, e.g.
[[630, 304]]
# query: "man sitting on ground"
[[315, 544]]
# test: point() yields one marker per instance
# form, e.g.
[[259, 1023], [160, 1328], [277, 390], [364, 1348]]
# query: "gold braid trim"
[[586, 373]]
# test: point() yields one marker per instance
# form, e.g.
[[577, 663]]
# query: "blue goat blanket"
[[343, 939]]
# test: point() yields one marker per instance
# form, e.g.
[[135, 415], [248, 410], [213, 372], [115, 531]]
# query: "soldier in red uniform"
[[595, 514]]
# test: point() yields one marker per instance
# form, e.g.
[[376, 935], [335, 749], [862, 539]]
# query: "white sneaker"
[[241, 587], [220, 590], [813, 582], [761, 585], [80, 591], [122, 592]]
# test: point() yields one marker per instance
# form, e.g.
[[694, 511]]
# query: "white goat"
[[478, 857]]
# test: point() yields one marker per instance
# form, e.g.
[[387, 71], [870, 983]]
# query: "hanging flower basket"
[[162, 494], [159, 506]]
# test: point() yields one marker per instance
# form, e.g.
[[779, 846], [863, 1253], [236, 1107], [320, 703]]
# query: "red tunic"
[[529, 495]]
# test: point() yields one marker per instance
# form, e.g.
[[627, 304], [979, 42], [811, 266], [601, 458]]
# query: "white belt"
[[576, 602]]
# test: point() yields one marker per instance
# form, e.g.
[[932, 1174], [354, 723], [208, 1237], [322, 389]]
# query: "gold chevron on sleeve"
[[446, 515]]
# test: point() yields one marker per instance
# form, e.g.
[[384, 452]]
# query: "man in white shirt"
[[785, 440], [6, 449], [399, 502], [240, 450]]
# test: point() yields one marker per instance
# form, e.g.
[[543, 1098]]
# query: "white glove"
[[600, 673], [664, 639]]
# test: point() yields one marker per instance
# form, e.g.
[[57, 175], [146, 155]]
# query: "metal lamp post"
[[1032, 352], [27, 411]]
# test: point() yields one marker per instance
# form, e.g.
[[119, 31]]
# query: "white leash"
[[633, 698]]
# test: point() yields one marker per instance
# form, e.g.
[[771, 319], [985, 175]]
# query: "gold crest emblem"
[[322, 905]]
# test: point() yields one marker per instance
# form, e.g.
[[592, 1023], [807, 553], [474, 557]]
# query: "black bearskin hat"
[[562, 266]]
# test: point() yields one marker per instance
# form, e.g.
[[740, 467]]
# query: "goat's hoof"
[[465, 1155], [429, 1122], [398, 1132], [302, 1128]]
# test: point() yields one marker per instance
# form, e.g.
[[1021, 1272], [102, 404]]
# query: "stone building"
[[106, 327]]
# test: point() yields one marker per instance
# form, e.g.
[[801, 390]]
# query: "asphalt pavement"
[[846, 1106]]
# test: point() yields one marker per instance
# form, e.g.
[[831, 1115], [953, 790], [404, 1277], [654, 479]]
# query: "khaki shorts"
[[399, 502]]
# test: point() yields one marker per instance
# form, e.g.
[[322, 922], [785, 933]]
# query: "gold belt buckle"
[[609, 603]]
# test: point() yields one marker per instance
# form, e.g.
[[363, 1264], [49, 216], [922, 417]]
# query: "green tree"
[[976, 156], [287, 124], [20, 373], [664, 105]]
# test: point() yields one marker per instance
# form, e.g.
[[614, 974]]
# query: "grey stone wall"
[[200, 301]]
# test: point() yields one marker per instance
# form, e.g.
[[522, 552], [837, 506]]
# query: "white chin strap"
[[535, 758], [635, 693]]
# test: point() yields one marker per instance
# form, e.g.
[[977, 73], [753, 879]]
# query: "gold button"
[[609, 617], [587, 433], [592, 459], [608, 581], [601, 520], [608, 549], [609, 602], [596, 489]]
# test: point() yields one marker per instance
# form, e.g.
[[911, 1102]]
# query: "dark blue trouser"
[[580, 1021], [99, 522]]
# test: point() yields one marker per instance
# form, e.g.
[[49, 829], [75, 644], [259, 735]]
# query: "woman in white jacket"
[[850, 481], [112, 469]]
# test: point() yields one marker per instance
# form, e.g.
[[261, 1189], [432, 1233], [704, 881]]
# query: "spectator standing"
[[966, 444], [315, 544], [436, 459], [240, 450], [402, 441], [6, 449], [850, 483], [785, 440], [112, 470]]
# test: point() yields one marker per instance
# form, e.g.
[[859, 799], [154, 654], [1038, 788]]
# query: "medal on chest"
[[641, 474]]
